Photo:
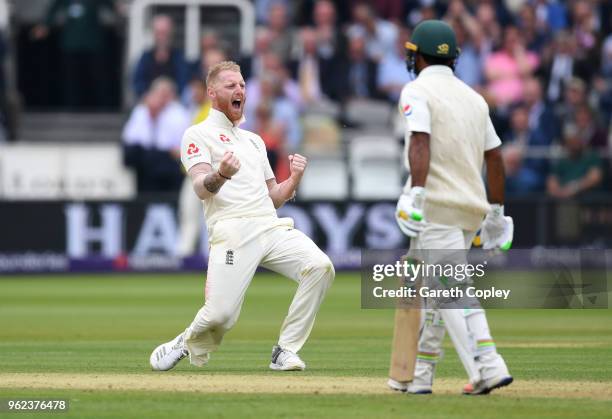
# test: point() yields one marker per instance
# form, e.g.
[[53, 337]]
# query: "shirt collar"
[[219, 118], [437, 69]]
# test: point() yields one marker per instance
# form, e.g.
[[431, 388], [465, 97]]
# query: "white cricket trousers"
[[436, 238], [237, 247]]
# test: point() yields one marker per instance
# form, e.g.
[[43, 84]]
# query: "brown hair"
[[214, 71]]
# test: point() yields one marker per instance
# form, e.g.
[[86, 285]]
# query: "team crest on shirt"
[[192, 149], [407, 110], [224, 138]]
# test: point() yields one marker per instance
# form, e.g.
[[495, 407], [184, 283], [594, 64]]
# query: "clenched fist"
[[229, 165], [297, 165]]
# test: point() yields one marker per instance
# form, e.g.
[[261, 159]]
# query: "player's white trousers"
[[237, 248], [437, 238]]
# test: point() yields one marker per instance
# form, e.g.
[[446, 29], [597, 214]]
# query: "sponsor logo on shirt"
[[192, 149], [224, 138], [407, 110]]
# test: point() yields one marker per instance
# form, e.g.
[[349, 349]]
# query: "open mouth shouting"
[[237, 104]]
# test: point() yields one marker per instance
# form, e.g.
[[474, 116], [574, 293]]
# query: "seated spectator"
[[152, 138], [506, 69], [392, 73], [162, 60], [379, 35], [574, 96], [589, 129], [528, 174], [361, 72], [579, 172], [520, 180], [543, 123]]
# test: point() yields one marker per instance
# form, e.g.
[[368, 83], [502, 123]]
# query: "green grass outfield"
[[88, 339]]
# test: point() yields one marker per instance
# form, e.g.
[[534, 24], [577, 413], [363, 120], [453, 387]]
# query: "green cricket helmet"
[[434, 38]]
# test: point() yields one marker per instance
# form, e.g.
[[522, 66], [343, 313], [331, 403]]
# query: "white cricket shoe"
[[395, 385], [423, 378], [285, 360], [168, 354], [494, 374]]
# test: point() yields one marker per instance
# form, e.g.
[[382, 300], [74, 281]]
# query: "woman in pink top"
[[507, 68]]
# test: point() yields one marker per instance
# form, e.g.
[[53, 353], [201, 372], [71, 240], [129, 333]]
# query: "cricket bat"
[[405, 339], [405, 343]]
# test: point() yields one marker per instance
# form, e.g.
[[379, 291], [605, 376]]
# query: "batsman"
[[449, 136]]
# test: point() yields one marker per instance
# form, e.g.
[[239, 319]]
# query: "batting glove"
[[497, 230], [409, 212]]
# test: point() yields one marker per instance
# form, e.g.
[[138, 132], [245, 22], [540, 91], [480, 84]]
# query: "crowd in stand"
[[544, 67]]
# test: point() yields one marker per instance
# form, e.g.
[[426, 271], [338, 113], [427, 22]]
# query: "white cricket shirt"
[[457, 120], [246, 194]]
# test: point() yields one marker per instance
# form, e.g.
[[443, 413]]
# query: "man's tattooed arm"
[[206, 182]]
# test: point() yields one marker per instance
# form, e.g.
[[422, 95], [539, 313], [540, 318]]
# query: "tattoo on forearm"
[[213, 182]]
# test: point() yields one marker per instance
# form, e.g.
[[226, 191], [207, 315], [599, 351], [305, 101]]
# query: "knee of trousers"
[[322, 265], [221, 318]]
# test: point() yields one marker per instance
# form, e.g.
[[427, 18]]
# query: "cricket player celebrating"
[[448, 136], [232, 176]]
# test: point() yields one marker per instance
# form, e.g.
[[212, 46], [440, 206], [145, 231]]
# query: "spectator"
[[284, 110], [584, 28], [252, 65], [209, 58], [392, 74], [562, 65], [272, 66], [543, 124], [315, 74], [506, 69], [551, 15], [469, 63], [152, 138], [208, 42], [575, 95], [379, 35], [361, 72], [590, 131], [281, 33], [535, 36], [199, 104], [83, 42], [331, 41], [579, 172], [270, 131], [162, 60], [520, 180], [526, 173]]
